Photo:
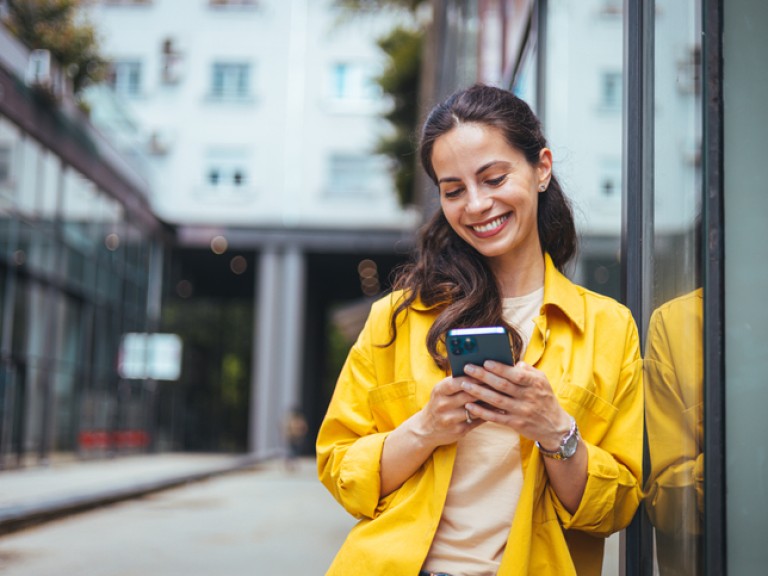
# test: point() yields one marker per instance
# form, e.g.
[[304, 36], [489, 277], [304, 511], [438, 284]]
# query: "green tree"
[[400, 80], [58, 26]]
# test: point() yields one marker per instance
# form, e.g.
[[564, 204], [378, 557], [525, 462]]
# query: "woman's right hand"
[[442, 421]]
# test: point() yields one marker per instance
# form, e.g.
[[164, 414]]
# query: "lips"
[[490, 227]]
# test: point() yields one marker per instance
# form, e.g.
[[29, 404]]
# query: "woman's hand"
[[442, 421], [445, 419], [520, 397]]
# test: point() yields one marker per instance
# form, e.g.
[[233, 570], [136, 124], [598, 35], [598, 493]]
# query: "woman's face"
[[489, 192]]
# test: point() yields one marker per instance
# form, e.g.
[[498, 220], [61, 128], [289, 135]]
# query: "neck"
[[519, 276]]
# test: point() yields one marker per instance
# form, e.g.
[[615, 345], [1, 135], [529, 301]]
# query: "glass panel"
[[673, 348], [582, 115], [583, 123], [745, 92]]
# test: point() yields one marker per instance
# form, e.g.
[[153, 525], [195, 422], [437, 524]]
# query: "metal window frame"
[[713, 280], [637, 230]]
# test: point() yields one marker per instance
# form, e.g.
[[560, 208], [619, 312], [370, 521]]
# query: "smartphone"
[[476, 345]]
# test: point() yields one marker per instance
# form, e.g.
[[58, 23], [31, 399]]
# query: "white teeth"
[[491, 225]]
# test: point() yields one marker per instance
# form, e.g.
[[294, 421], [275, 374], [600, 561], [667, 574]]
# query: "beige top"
[[486, 482]]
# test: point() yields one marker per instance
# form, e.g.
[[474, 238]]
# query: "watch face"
[[569, 448]]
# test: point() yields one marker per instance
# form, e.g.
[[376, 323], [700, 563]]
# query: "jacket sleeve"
[[349, 445], [614, 471], [673, 411]]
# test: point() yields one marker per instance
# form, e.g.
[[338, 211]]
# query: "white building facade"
[[261, 119]]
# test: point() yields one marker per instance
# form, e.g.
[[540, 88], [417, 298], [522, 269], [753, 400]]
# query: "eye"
[[496, 181], [453, 192]]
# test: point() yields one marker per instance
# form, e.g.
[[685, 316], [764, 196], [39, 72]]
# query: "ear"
[[544, 168]]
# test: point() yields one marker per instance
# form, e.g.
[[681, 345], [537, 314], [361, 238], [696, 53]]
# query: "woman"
[[518, 469]]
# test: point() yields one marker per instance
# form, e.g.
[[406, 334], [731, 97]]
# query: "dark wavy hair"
[[447, 273]]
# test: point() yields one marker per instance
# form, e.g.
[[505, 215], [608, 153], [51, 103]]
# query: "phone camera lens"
[[470, 344]]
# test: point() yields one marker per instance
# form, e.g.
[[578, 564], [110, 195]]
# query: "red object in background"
[[100, 439]]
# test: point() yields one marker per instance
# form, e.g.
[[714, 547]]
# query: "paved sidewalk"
[[38, 494]]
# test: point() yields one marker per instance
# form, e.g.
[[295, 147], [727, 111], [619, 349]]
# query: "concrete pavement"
[[263, 519], [37, 494]]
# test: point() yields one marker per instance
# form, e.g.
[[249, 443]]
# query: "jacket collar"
[[561, 293]]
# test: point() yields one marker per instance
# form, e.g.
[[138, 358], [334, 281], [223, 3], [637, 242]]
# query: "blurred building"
[[80, 250], [260, 119]]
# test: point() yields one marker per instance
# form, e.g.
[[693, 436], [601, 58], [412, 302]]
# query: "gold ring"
[[469, 418]]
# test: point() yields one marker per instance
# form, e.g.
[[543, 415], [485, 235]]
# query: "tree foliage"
[[400, 81], [57, 26]]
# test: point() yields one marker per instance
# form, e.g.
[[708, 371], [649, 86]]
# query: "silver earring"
[[542, 187]]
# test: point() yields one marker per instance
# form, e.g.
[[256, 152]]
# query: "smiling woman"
[[505, 468]]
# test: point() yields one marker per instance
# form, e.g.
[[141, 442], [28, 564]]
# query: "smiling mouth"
[[491, 226]]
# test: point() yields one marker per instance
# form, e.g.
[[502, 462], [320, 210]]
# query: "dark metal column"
[[715, 552], [637, 219]]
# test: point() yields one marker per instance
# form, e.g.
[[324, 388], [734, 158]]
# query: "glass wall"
[[74, 275], [582, 70], [673, 350], [586, 58], [745, 92]]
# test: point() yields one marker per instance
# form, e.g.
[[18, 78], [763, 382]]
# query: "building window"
[[356, 175], [610, 90], [226, 172], [226, 176], [125, 77], [231, 80], [354, 81]]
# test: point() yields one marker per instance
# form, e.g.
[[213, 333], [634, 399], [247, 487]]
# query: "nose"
[[477, 202]]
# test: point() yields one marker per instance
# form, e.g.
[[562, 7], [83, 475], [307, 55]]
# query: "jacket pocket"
[[393, 403], [593, 414]]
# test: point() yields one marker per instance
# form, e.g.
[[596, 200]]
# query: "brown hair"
[[446, 272]]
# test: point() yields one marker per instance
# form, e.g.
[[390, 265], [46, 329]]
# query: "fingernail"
[[470, 368]]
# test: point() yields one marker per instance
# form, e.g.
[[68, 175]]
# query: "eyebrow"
[[480, 170]]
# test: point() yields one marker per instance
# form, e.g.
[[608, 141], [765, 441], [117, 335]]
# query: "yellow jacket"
[[674, 420], [588, 347]]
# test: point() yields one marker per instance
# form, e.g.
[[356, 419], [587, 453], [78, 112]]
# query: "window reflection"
[[673, 352], [674, 420]]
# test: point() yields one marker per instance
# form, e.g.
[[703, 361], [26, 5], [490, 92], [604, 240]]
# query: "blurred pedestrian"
[[295, 433], [520, 469]]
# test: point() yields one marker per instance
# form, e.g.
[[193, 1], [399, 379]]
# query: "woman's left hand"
[[520, 397]]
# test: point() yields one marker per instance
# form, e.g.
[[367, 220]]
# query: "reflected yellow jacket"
[[588, 347], [674, 420]]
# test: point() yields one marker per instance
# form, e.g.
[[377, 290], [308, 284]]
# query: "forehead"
[[470, 144]]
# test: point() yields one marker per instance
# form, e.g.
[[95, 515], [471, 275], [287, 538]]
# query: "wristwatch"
[[567, 446]]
